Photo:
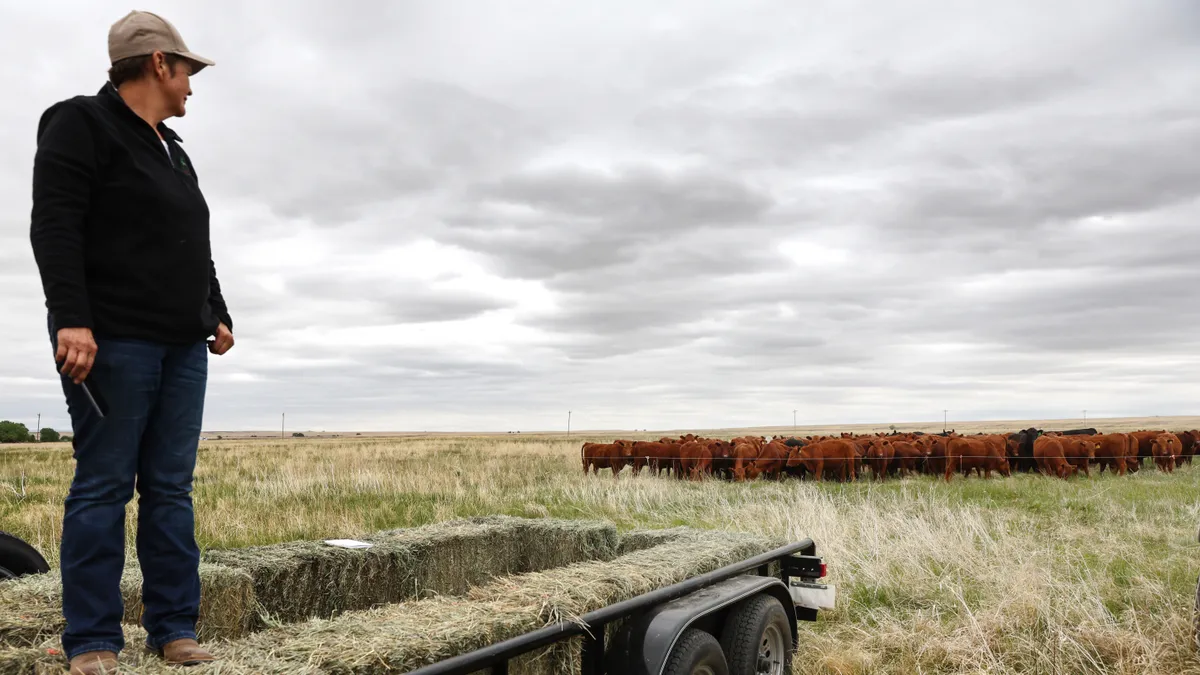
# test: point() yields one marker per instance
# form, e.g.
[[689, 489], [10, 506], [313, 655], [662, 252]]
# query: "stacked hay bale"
[[300, 580], [31, 607], [21, 660], [638, 540], [404, 636]]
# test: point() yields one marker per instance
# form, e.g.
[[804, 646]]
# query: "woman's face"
[[177, 87]]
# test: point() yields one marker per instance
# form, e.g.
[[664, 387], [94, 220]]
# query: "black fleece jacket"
[[120, 231]]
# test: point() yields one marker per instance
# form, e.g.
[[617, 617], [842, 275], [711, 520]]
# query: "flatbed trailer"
[[740, 619], [736, 620]]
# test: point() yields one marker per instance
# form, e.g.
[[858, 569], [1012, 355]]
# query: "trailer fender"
[[643, 645], [18, 559]]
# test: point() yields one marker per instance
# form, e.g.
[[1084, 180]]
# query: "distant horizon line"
[[949, 425]]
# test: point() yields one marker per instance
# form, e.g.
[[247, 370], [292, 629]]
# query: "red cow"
[[974, 454], [743, 455], [695, 460], [1079, 451], [1164, 448], [1048, 453], [906, 458], [1110, 452], [601, 456], [1188, 443], [879, 456], [770, 460], [833, 455]]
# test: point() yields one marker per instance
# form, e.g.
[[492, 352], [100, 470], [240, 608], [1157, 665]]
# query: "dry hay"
[[20, 659], [403, 636], [227, 603], [638, 540], [299, 580], [31, 607]]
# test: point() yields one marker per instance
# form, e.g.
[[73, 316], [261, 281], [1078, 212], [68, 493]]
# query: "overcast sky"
[[480, 215]]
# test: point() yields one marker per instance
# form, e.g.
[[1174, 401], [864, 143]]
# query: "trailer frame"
[[644, 650]]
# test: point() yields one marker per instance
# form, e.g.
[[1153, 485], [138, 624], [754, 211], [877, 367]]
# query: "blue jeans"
[[148, 441]]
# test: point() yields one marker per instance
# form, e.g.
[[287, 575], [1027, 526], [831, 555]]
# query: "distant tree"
[[297, 434], [49, 435], [13, 432]]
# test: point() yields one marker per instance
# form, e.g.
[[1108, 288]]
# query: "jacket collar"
[[112, 97]]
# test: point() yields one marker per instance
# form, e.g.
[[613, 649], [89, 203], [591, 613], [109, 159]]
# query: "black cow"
[[1025, 438]]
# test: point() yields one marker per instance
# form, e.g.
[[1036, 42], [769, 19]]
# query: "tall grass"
[[1017, 575]]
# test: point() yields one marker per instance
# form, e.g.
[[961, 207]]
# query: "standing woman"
[[120, 233]]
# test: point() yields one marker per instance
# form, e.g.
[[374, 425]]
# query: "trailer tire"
[[757, 638], [697, 653], [19, 558]]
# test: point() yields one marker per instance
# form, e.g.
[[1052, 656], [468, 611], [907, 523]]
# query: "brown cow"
[[1144, 438], [722, 454], [907, 457], [1164, 448], [602, 456], [1110, 452], [974, 453], [1079, 451], [695, 460], [1188, 443], [770, 460], [1048, 453], [743, 455], [879, 456], [935, 457], [649, 454], [833, 455]]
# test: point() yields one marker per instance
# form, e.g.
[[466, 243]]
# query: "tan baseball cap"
[[139, 33]]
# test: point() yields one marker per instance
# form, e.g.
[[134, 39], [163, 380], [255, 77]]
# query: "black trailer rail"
[[796, 560]]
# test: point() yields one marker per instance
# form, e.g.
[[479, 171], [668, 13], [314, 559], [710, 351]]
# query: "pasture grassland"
[[1019, 575]]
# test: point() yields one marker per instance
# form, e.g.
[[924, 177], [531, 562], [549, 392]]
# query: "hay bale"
[[407, 635], [21, 660], [466, 553], [30, 610], [295, 581], [31, 607], [639, 540], [227, 604]]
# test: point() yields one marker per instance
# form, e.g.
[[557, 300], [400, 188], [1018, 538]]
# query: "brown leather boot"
[[94, 663], [186, 652]]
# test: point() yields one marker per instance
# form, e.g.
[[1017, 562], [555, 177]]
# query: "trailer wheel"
[[757, 639], [697, 653], [19, 558]]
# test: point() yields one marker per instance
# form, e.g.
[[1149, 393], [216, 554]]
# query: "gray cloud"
[[440, 216]]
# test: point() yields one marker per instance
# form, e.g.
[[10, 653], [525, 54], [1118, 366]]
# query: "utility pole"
[[1085, 418], [568, 423], [39, 428], [282, 421], [793, 422], [944, 413]]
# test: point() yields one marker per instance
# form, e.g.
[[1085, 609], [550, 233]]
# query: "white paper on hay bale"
[[348, 543]]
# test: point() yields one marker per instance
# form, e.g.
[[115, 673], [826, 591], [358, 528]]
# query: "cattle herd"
[[847, 456]]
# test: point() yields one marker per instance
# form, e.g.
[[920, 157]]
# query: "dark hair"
[[132, 68]]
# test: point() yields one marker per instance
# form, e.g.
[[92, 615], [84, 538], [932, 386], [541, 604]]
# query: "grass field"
[[1018, 575]]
